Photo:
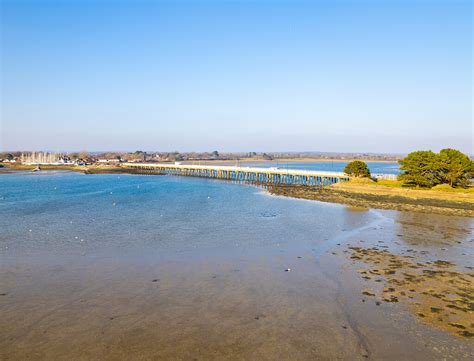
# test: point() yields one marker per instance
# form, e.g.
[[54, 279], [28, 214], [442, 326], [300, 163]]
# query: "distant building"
[[108, 161]]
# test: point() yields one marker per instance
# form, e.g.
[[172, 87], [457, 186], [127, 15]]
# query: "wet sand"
[[287, 302], [203, 311]]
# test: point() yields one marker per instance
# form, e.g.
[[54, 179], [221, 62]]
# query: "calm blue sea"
[[81, 214]]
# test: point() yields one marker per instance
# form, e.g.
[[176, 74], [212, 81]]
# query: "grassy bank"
[[25, 167], [397, 187], [90, 169], [383, 196]]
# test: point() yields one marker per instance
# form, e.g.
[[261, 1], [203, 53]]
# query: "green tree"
[[420, 168], [357, 168], [141, 155], [455, 168]]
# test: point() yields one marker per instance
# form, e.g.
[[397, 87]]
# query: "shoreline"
[[352, 194], [416, 200]]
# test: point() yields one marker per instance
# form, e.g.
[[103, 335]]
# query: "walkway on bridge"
[[272, 175]]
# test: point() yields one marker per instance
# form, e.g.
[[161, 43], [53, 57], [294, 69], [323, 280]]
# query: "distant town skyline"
[[236, 76]]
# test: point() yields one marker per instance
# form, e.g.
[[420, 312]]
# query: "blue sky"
[[349, 76]]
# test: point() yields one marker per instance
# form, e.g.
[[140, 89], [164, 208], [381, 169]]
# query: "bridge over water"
[[257, 175]]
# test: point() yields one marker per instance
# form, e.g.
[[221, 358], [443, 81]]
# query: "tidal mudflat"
[[381, 197], [147, 267]]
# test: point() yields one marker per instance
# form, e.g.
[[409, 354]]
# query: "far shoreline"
[[288, 160]]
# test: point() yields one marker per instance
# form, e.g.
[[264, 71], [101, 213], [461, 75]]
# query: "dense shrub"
[[357, 168], [455, 168], [420, 168], [443, 188], [427, 169]]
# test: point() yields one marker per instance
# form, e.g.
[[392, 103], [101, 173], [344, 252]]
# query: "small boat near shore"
[[37, 169]]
